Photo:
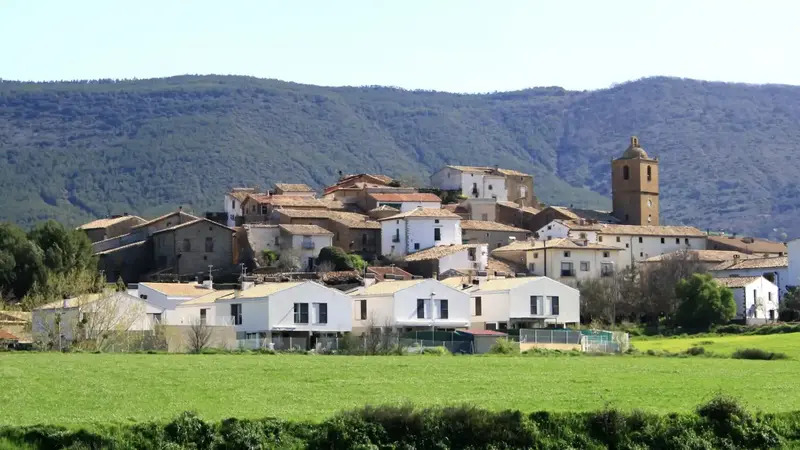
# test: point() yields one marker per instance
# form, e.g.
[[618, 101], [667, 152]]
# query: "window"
[[532, 267], [143, 296], [582, 236], [606, 269], [640, 239], [502, 326], [769, 296], [677, 240], [236, 313], [535, 255], [187, 245], [627, 245], [416, 246], [203, 313], [490, 187], [649, 203], [420, 308], [322, 312], [662, 240], [396, 237], [554, 306], [566, 254], [641, 254], [233, 204], [626, 172], [606, 254], [435, 220], [209, 244], [444, 312], [362, 310], [584, 266], [649, 218], [364, 239], [618, 240], [649, 173], [478, 306], [599, 238], [491, 326], [567, 270], [536, 300], [157, 317], [549, 227], [686, 241], [755, 294], [301, 313], [437, 234]]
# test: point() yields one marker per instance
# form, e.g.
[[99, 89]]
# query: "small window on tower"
[[649, 173], [626, 173]]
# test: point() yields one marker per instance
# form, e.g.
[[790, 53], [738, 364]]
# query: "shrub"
[[357, 262], [189, 429], [504, 346], [695, 351], [436, 351], [757, 353], [336, 257]]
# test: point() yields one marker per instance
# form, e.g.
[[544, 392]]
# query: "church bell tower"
[[634, 186]]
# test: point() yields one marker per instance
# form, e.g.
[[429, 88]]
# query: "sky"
[[445, 45]]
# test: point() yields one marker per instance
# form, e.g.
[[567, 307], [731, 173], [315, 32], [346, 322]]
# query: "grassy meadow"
[[788, 343], [80, 389]]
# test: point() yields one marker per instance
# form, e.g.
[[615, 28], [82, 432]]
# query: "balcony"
[[308, 245], [567, 273]]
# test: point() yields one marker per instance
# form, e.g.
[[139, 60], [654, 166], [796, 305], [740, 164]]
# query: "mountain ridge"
[[145, 146]]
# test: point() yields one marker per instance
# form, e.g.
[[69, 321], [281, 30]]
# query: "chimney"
[[735, 257], [368, 280]]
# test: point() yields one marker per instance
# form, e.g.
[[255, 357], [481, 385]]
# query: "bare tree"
[[658, 281], [610, 298], [325, 266], [290, 259], [199, 335]]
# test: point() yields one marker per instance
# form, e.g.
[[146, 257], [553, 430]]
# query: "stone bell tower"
[[634, 186]]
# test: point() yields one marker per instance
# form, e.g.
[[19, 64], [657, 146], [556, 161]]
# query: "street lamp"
[[433, 316]]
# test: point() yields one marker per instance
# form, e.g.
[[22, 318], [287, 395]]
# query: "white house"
[[524, 302], [417, 230], [566, 260], [409, 305], [639, 242], [472, 182], [406, 201], [774, 269], [303, 309], [93, 314], [307, 240], [756, 297], [442, 258], [168, 296], [792, 278], [233, 204]]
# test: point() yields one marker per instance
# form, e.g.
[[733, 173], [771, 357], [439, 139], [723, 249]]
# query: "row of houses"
[[308, 311]]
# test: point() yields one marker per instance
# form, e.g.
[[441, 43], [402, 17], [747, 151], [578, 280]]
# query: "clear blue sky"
[[462, 46]]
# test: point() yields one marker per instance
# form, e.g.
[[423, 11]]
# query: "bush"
[[336, 257], [189, 429], [357, 262], [757, 353], [695, 351], [436, 351], [504, 346]]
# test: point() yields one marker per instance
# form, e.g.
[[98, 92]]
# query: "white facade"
[[411, 304], [405, 235], [462, 259], [472, 184], [792, 277], [758, 299], [233, 209], [270, 307], [263, 237], [167, 300], [105, 312], [780, 274], [307, 246], [408, 206], [571, 265], [524, 302]]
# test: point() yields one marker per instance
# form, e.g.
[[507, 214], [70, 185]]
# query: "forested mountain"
[[79, 150]]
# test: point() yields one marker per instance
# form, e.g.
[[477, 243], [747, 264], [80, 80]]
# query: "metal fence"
[[545, 336], [591, 341]]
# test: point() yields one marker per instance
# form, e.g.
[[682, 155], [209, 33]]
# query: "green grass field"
[[73, 389], [788, 343]]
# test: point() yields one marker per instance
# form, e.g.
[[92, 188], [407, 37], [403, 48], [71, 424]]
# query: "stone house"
[[102, 229], [492, 233], [190, 247]]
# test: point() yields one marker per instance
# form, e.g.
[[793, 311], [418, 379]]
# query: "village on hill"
[[474, 253]]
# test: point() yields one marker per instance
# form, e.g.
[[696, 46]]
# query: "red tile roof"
[[6, 336], [381, 272], [409, 197]]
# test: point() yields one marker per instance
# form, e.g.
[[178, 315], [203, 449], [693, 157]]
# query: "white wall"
[[595, 257], [233, 208], [649, 246], [553, 230], [318, 241], [781, 275], [569, 301], [400, 309], [488, 186], [408, 206], [417, 230], [760, 291], [263, 237], [447, 179], [793, 272], [460, 260]]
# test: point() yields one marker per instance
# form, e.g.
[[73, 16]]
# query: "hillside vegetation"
[[77, 150]]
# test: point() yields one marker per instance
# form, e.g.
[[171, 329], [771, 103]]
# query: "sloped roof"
[[82, 300], [354, 220], [107, 222], [504, 284], [211, 297], [650, 230], [290, 201], [160, 218], [305, 230], [562, 243], [736, 282], [242, 193], [406, 197], [702, 255], [524, 209], [267, 289], [587, 214], [753, 263], [293, 187], [488, 170], [7, 336], [305, 213], [485, 225], [749, 244], [438, 252], [195, 222], [389, 287], [424, 212], [454, 282], [178, 289], [120, 248], [15, 316], [381, 272]]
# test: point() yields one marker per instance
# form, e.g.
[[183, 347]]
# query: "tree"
[[608, 299], [357, 262], [703, 302], [289, 259], [658, 281], [21, 262], [790, 306], [64, 250], [199, 335], [336, 256]]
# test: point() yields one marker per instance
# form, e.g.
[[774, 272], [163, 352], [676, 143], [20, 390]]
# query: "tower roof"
[[634, 151]]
